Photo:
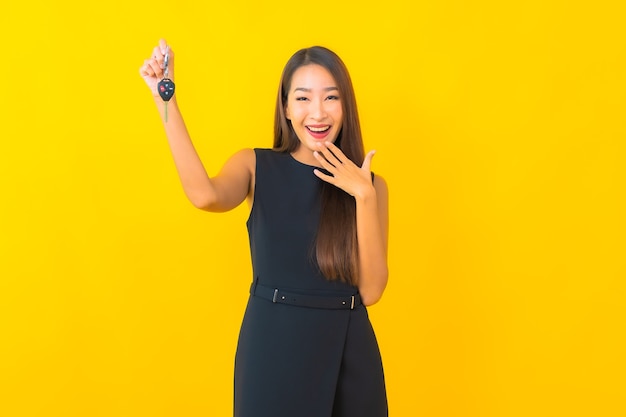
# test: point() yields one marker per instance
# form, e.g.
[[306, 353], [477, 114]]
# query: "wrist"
[[366, 194], [158, 100]]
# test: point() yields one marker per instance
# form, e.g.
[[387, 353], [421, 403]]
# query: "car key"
[[166, 87]]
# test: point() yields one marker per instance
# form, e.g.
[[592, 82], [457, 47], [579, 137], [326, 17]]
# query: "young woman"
[[318, 230]]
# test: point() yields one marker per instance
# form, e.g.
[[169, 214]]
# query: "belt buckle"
[[275, 295], [352, 303]]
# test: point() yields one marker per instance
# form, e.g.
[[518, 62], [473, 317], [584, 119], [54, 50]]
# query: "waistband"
[[276, 295]]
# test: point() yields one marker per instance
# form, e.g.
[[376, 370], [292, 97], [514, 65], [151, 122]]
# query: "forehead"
[[312, 76]]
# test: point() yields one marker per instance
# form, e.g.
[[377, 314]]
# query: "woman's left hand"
[[345, 174]]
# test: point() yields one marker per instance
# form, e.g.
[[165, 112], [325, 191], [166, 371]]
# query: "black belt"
[[275, 295]]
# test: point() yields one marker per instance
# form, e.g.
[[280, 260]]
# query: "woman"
[[318, 231]]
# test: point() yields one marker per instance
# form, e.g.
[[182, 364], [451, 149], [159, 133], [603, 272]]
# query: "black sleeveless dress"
[[298, 361]]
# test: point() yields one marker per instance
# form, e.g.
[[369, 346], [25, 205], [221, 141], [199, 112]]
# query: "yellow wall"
[[500, 129]]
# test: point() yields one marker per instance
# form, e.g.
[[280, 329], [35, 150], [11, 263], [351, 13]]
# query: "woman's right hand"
[[152, 69]]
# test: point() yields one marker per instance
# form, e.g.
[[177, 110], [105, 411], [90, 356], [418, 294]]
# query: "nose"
[[318, 110]]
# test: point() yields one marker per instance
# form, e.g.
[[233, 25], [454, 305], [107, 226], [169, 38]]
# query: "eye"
[[301, 98], [332, 98]]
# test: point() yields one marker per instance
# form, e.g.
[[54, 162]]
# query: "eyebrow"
[[308, 90]]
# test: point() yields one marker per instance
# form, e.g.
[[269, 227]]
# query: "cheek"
[[293, 112], [337, 111], [288, 112]]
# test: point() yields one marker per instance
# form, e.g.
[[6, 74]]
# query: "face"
[[314, 108]]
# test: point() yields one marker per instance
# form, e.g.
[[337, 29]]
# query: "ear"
[[287, 116]]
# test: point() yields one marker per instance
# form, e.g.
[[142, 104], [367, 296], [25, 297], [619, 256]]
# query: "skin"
[[312, 103]]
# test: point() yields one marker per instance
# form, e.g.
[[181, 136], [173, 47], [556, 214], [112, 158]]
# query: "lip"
[[318, 135]]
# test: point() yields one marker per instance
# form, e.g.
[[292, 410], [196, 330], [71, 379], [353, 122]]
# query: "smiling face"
[[314, 109]]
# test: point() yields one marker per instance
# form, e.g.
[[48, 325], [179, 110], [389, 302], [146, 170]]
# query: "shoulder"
[[378, 181], [251, 158], [245, 153], [380, 185], [241, 161], [244, 156]]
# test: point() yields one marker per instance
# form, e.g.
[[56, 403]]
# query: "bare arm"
[[372, 216], [234, 182], [372, 225]]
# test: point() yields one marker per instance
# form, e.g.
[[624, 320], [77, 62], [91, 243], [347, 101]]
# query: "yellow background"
[[499, 126]]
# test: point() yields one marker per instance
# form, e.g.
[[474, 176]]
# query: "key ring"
[[166, 87], [166, 61]]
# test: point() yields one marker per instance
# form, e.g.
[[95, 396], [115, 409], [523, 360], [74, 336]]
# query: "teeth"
[[318, 129]]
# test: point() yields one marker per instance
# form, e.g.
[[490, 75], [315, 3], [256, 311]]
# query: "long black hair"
[[336, 246]]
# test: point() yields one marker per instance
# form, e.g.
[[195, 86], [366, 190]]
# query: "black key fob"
[[166, 88]]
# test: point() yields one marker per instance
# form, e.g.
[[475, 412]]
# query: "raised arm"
[[234, 182]]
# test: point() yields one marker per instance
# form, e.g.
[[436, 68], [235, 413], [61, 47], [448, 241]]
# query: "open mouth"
[[318, 132], [318, 129]]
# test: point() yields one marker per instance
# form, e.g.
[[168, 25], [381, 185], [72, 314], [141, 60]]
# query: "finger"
[[333, 158], [155, 68], [162, 46], [336, 151], [328, 178], [323, 160], [158, 56], [148, 68], [367, 162], [144, 70]]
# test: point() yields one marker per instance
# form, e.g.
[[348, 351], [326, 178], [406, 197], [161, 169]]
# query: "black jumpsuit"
[[295, 361]]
